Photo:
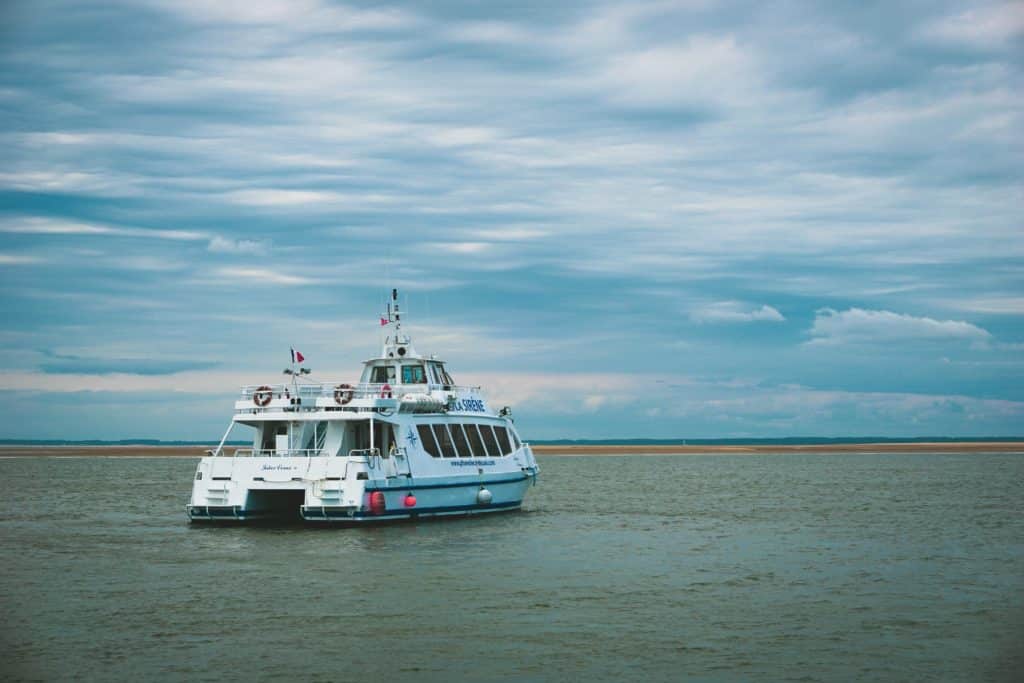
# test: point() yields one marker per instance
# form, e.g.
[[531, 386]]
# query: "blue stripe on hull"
[[313, 514], [418, 487]]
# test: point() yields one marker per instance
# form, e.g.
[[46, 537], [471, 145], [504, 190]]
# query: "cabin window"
[[474, 440], [460, 441], [428, 441], [489, 441], [271, 430], [446, 377], [316, 437], [383, 438], [444, 440], [516, 443], [362, 435], [384, 374], [413, 374], [503, 443]]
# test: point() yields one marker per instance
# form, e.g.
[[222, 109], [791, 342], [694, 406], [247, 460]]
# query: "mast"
[[394, 341]]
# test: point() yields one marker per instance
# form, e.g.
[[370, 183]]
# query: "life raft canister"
[[385, 391], [262, 396], [343, 393]]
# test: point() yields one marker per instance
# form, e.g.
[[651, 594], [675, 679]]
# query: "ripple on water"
[[780, 567]]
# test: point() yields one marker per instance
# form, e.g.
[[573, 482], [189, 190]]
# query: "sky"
[[640, 219]]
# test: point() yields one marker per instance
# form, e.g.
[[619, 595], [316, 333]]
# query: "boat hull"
[[331, 491]]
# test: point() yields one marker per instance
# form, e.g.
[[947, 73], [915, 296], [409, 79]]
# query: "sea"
[[766, 567]]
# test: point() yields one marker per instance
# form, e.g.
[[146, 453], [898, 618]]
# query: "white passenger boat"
[[404, 442]]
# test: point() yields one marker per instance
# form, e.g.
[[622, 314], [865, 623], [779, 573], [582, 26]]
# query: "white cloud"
[[982, 26], [39, 176], [307, 200], [859, 325], [17, 259], [229, 246], [993, 305], [491, 32], [734, 312], [263, 276], [275, 197], [463, 247], [304, 16], [509, 234], [705, 70], [47, 226]]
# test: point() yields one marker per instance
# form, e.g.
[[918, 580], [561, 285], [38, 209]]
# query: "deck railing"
[[368, 453], [361, 390], [278, 453]]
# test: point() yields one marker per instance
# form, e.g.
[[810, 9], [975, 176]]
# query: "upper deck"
[[273, 399]]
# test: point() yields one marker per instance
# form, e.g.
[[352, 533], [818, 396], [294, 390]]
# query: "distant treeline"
[[785, 441]]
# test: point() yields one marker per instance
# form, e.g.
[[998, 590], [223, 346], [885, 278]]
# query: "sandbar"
[[149, 450]]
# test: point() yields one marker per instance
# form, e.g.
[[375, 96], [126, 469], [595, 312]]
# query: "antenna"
[[398, 314]]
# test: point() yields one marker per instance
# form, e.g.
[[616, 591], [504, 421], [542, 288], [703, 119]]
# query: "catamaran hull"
[[314, 495]]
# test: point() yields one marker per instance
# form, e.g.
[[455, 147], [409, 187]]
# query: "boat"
[[404, 442]]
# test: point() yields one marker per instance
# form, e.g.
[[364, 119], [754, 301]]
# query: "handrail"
[[361, 390], [278, 453], [368, 453]]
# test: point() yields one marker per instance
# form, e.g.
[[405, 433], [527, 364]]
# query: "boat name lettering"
[[276, 467], [473, 405], [467, 463]]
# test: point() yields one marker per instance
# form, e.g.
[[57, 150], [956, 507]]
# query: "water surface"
[[722, 567]]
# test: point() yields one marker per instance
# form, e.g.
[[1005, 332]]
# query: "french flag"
[[297, 357]]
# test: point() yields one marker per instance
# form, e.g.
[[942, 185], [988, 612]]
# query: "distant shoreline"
[[883, 447], [194, 451]]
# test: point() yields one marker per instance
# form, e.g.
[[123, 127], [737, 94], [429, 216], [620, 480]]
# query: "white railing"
[[367, 453], [362, 390], [275, 453]]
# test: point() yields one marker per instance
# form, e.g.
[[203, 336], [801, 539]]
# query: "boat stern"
[[242, 489]]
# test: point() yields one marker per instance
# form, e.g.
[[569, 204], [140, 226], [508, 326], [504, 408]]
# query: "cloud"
[[262, 276], [993, 305], [48, 226], [980, 26], [63, 364], [464, 247], [308, 16], [18, 259], [704, 71], [224, 245], [734, 312], [862, 326], [573, 168]]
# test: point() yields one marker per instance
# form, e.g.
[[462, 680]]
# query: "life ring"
[[385, 391], [343, 393], [262, 396]]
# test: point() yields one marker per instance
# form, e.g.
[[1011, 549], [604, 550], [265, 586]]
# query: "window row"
[[457, 440], [433, 373]]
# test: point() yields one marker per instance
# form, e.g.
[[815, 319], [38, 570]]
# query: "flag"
[[297, 357], [383, 321]]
